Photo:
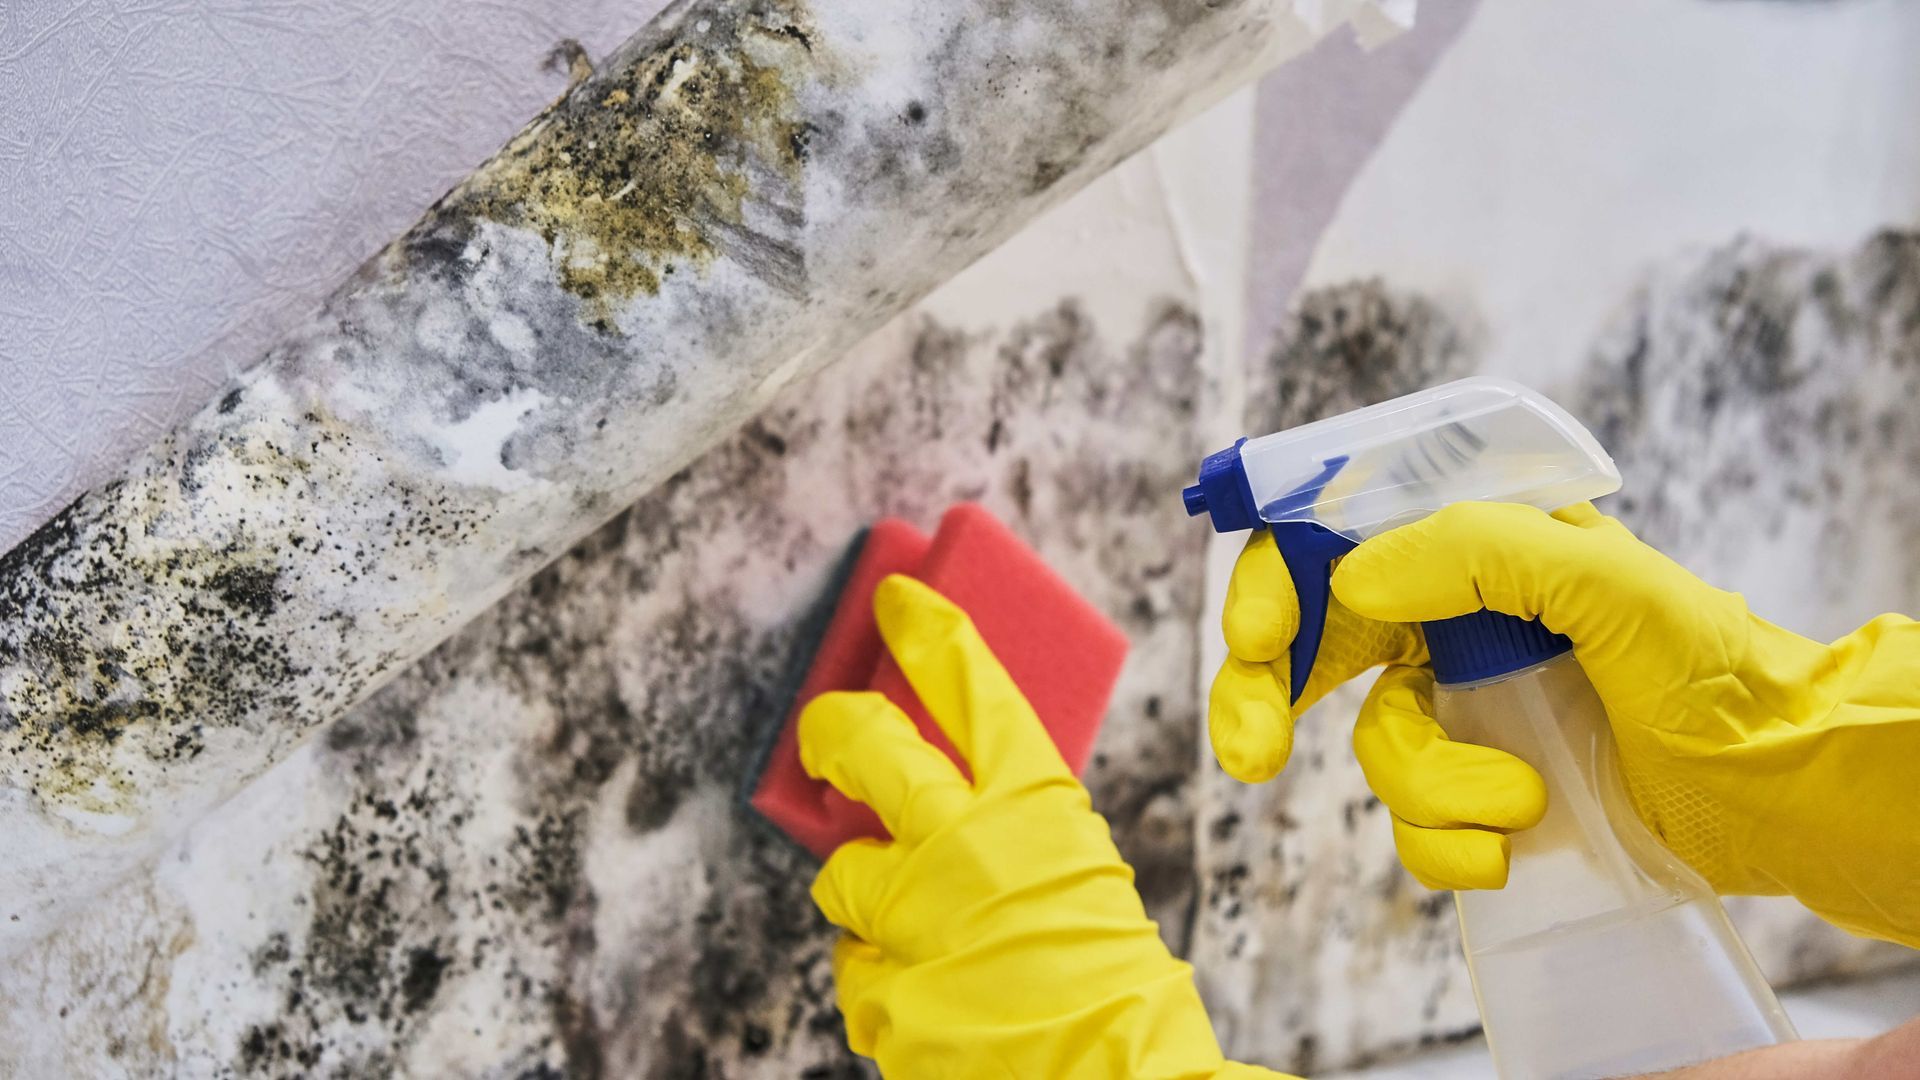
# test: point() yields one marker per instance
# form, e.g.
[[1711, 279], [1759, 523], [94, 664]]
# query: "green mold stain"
[[634, 172]]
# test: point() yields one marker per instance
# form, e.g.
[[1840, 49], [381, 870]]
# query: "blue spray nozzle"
[[1195, 498], [1222, 492]]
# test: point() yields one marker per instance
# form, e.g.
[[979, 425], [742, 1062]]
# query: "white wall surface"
[[182, 181]]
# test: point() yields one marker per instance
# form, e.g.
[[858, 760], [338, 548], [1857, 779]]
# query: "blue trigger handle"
[[1308, 550], [1307, 547]]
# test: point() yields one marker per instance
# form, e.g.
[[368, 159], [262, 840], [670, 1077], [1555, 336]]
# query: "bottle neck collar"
[[1485, 645]]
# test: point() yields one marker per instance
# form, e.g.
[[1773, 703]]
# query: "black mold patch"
[[425, 966], [1351, 345], [79, 689], [249, 589], [921, 147], [1766, 376]]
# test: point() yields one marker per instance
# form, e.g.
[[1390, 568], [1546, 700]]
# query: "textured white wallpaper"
[[181, 180]]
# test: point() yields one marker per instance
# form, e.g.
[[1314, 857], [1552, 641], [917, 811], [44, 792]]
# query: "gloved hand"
[[1452, 803], [998, 934], [1768, 762]]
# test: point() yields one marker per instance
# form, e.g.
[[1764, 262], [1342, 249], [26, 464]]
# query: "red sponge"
[[1060, 650], [845, 658]]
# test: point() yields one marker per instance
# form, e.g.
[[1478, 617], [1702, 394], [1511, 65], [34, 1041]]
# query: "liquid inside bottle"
[[1605, 955]]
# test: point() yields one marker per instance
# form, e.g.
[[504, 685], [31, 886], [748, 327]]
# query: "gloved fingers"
[[859, 967], [1262, 614], [1262, 617], [1453, 858], [964, 687], [1352, 645], [1582, 515], [1249, 720], [1429, 780], [851, 886], [869, 750], [1503, 556], [1607, 529]]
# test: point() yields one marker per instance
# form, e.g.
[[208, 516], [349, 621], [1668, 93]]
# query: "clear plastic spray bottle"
[[1605, 955]]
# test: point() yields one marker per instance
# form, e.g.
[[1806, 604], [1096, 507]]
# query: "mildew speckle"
[[59, 722], [247, 588], [129, 638]]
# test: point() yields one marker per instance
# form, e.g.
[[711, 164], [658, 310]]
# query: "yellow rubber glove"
[[999, 933], [1769, 762], [1452, 803]]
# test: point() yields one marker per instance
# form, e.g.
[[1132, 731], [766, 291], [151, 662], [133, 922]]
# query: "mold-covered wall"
[[732, 198], [525, 856]]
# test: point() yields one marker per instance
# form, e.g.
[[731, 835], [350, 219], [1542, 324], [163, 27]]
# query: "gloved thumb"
[[1500, 556]]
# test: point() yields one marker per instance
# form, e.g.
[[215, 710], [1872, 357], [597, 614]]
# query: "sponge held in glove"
[[1062, 653]]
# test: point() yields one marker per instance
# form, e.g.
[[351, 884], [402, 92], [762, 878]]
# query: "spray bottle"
[[1605, 954]]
